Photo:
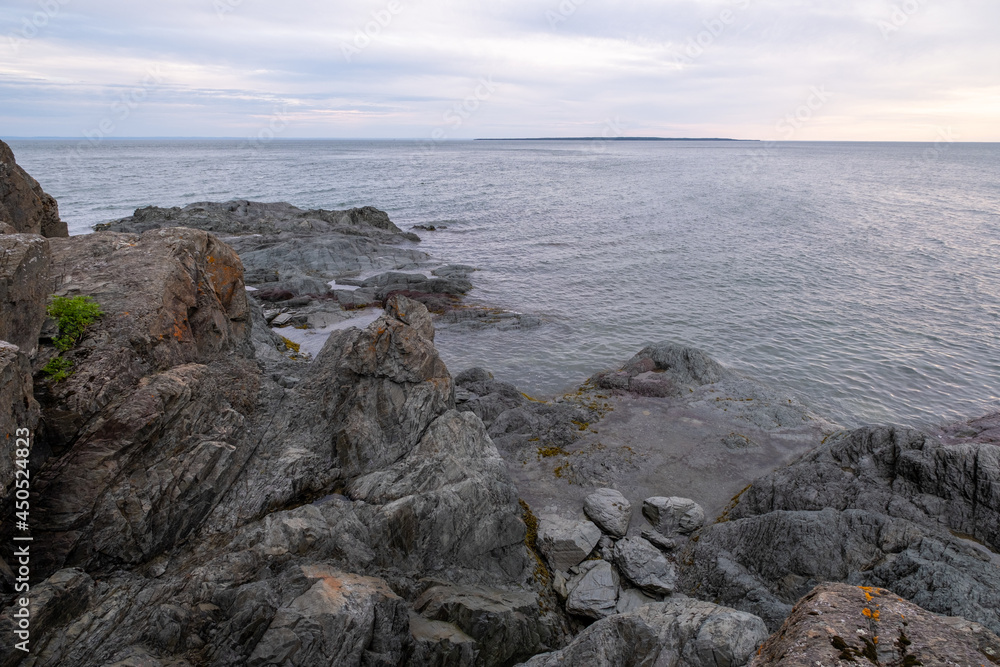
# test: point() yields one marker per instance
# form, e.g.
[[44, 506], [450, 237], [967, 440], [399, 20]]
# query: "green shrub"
[[74, 314], [58, 369]]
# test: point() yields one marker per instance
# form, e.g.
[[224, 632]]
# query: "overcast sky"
[[915, 70]]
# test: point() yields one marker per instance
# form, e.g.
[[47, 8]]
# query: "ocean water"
[[863, 277]]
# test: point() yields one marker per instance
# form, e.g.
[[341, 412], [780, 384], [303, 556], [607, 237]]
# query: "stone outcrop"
[[680, 631], [24, 206], [876, 506], [838, 624], [25, 286]]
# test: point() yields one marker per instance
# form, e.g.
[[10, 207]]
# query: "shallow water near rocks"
[[863, 277]]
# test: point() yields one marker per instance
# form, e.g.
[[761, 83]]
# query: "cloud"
[[895, 69]]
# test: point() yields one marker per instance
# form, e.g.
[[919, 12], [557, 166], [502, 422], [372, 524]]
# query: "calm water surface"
[[864, 277]]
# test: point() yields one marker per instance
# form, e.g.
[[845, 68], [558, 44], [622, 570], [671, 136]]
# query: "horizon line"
[[457, 139]]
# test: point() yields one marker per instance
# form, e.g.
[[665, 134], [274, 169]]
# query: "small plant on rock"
[[73, 314]]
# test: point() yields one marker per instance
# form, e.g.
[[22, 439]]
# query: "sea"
[[862, 277]]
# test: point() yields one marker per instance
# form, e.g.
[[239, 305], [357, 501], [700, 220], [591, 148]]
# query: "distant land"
[[613, 139]]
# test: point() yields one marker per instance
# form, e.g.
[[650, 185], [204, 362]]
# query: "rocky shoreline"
[[260, 459]]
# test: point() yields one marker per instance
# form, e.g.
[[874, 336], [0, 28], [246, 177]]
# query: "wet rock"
[[25, 286], [838, 623], [459, 270], [594, 591], [679, 631], [673, 515], [645, 566], [610, 510], [665, 369], [288, 248], [503, 624], [23, 204], [876, 506], [566, 542], [342, 619]]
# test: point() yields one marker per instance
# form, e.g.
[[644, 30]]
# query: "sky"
[[840, 70]]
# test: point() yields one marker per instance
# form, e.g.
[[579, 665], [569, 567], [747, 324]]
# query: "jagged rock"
[[60, 598], [645, 566], [841, 624], [440, 643], [20, 409], [665, 369], [458, 270], [610, 510], [566, 542], [23, 204], [673, 515], [877, 506], [504, 624], [287, 248], [24, 289], [342, 619], [594, 591], [680, 631]]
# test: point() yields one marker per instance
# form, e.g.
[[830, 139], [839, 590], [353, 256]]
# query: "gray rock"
[[20, 411], [661, 542], [830, 626], [449, 270], [23, 204], [25, 285], [673, 515], [610, 510], [288, 248], [594, 591], [341, 619], [679, 631], [631, 599], [566, 542], [503, 624], [645, 566], [440, 643], [876, 506], [664, 369], [283, 319]]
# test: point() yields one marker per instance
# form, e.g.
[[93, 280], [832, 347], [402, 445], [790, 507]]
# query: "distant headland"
[[612, 139]]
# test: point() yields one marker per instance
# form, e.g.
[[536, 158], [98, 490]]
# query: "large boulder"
[[680, 631], [838, 624], [877, 506], [645, 566], [23, 204], [566, 542], [610, 510], [25, 286], [672, 516], [593, 592]]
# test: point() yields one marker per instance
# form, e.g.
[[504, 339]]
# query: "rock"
[[673, 515], [25, 286], [661, 542], [23, 204], [342, 619], [665, 369], [645, 566], [610, 510], [566, 542], [440, 643], [287, 248], [838, 623], [875, 506], [19, 416], [679, 631], [630, 599], [504, 625], [448, 270], [411, 313], [593, 592], [284, 319]]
